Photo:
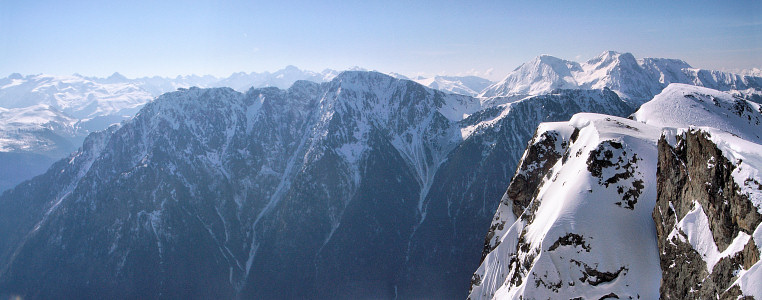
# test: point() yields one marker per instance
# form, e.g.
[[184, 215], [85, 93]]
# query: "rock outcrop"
[[704, 220]]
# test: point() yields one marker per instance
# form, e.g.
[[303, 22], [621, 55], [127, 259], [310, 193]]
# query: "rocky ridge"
[[665, 205]]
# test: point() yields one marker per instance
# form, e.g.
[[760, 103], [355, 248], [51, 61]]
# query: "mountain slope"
[[541, 75], [587, 214], [351, 188]]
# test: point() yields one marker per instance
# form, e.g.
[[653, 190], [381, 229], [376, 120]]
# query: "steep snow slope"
[[633, 80], [681, 105], [577, 236], [576, 220]]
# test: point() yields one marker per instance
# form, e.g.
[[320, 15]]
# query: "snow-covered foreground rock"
[[666, 205]]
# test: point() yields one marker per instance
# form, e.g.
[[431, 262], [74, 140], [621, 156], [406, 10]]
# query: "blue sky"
[[486, 38]]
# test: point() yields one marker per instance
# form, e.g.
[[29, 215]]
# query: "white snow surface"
[[32, 117], [681, 105], [695, 226], [572, 200], [20, 127], [77, 96]]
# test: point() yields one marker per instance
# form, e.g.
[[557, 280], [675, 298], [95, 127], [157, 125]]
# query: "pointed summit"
[[115, 78], [538, 76]]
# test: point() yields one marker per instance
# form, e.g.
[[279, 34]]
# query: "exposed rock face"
[[545, 148], [694, 171]]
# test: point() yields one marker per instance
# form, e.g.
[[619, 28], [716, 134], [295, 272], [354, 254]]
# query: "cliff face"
[[704, 219], [543, 151]]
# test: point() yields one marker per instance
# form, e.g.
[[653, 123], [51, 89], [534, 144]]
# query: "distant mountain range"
[[634, 80], [44, 117], [364, 186], [367, 185]]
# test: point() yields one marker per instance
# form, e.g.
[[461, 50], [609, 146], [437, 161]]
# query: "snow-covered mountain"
[[35, 128], [464, 85], [282, 79], [756, 72], [70, 107], [634, 80], [31, 139], [539, 76], [76, 96], [85, 98], [44, 117], [364, 186], [664, 205]]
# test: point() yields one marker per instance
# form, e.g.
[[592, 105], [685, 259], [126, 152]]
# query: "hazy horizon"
[[486, 39]]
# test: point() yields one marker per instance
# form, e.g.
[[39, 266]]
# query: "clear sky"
[[486, 38]]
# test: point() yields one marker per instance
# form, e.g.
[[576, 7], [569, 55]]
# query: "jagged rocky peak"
[[599, 222], [709, 201]]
